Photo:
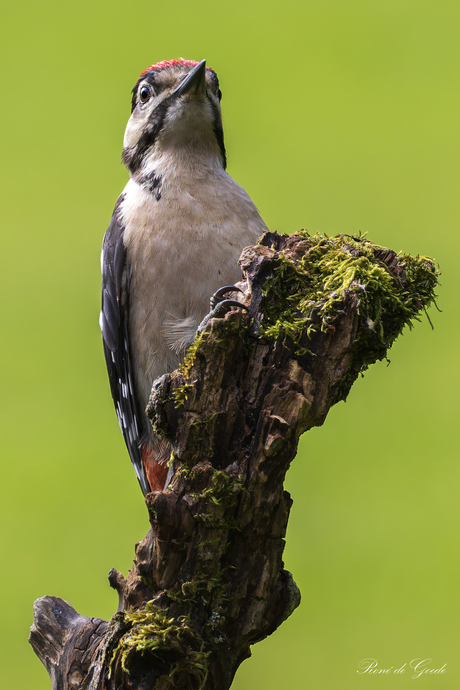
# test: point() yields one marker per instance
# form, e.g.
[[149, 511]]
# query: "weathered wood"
[[65, 641], [208, 580]]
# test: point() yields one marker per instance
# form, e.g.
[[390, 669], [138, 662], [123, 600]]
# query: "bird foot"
[[220, 306]]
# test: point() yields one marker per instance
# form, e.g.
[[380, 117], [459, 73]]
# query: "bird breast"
[[181, 248]]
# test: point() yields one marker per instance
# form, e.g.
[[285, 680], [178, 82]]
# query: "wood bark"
[[208, 581]]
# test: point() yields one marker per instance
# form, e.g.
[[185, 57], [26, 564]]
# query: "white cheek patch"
[[138, 121], [133, 131]]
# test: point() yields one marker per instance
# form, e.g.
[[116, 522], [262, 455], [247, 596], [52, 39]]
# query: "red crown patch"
[[170, 63]]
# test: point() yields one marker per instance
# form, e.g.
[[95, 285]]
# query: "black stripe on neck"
[[133, 157], [218, 131]]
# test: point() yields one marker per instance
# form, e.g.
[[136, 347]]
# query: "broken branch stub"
[[208, 580]]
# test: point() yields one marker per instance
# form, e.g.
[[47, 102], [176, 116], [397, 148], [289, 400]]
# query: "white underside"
[[180, 250]]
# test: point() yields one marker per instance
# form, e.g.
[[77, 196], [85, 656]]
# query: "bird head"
[[175, 112]]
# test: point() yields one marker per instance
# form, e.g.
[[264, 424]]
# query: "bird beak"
[[194, 83]]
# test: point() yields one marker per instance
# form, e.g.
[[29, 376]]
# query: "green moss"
[[189, 359], [209, 520], [223, 498], [308, 295], [223, 491], [181, 393], [223, 487], [172, 640], [204, 583]]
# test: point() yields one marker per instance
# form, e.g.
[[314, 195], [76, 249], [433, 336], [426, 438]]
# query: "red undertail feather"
[[156, 471]]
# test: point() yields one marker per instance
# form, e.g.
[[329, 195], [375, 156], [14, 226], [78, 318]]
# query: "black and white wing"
[[114, 327]]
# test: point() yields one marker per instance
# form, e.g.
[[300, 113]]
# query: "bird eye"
[[144, 93]]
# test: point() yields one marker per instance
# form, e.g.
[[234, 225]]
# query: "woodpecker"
[[175, 237]]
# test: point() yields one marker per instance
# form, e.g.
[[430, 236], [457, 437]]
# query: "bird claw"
[[217, 297], [220, 306]]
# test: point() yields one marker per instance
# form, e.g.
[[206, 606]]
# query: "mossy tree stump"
[[208, 580]]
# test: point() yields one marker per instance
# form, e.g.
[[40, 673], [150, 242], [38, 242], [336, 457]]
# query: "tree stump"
[[208, 580]]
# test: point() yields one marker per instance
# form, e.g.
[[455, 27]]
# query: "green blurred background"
[[340, 116]]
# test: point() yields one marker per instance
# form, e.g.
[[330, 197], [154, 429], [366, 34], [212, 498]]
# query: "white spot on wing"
[[132, 431], [119, 416]]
